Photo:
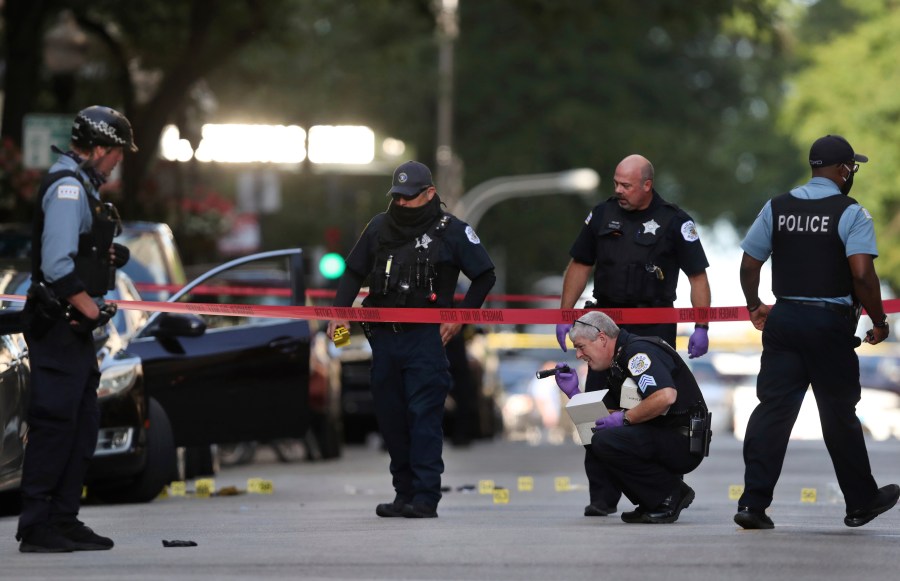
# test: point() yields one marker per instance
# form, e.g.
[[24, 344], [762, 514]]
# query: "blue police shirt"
[[67, 214], [855, 228]]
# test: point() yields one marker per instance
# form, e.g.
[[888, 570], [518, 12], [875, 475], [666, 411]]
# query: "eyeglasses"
[[852, 168], [397, 195], [577, 322]]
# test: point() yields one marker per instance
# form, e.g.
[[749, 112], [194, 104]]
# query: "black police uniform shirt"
[[460, 250], [654, 367], [627, 247]]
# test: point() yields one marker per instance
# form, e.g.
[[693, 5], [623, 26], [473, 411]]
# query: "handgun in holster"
[[700, 432]]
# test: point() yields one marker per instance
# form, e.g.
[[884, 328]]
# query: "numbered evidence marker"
[[735, 491], [562, 483], [807, 495], [501, 496], [204, 487], [526, 483], [178, 488], [259, 486], [485, 487]]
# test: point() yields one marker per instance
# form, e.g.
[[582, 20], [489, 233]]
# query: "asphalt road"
[[319, 523]]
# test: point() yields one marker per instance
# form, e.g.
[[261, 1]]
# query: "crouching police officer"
[[73, 265], [412, 255], [645, 451]]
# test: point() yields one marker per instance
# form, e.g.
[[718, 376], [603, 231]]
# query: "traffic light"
[[331, 265]]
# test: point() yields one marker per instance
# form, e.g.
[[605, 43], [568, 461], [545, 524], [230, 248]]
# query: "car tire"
[[237, 454], [159, 469]]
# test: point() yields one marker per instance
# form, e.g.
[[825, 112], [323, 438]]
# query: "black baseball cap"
[[832, 150], [410, 178]]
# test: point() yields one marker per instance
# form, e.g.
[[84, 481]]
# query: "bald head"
[[634, 183]]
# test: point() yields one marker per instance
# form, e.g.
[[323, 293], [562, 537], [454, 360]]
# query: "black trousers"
[[807, 345], [645, 462], [410, 382], [63, 420], [599, 486]]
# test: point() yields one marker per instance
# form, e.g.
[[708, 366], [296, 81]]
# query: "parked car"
[[14, 370], [170, 380], [155, 264]]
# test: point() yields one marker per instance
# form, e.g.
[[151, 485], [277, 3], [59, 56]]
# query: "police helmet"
[[102, 126]]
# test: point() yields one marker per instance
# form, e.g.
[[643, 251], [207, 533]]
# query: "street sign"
[[40, 132]]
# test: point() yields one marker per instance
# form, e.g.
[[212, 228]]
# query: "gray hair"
[[592, 324]]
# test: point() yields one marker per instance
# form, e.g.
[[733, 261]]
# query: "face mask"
[[848, 184]]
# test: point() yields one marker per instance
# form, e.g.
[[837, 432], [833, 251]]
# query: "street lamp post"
[[447, 171], [472, 206]]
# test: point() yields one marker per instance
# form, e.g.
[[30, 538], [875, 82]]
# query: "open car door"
[[224, 378]]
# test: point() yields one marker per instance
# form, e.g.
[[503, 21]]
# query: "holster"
[[700, 432], [42, 309]]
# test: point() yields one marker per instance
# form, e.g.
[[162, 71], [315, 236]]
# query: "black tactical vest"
[[689, 394], [630, 267], [407, 275], [92, 263], [808, 256]]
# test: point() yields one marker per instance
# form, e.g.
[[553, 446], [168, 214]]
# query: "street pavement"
[[319, 523]]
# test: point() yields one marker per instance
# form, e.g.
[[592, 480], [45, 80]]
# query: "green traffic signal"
[[332, 265]]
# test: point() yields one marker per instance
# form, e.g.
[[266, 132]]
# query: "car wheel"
[[325, 432], [160, 467], [236, 454]]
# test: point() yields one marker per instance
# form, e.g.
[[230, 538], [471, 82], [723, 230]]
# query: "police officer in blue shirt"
[[636, 243], [73, 265], [412, 255], [822, 244]]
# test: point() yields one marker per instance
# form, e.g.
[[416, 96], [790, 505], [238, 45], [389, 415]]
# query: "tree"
[[848, 86]]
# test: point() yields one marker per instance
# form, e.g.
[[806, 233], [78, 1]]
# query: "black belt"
[[845, 310], [683, 430], [392, 327]]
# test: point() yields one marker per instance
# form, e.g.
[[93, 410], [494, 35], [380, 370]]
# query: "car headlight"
[[116, 379]]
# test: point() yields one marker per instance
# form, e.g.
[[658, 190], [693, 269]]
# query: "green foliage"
[[850, 87]]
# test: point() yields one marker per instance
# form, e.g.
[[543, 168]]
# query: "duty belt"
[[368, 327], [845, 310]]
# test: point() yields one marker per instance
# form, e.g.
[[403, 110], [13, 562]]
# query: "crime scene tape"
[[317, 293], [463, 316]]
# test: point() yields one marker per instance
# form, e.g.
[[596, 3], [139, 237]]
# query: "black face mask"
[[848, 184]]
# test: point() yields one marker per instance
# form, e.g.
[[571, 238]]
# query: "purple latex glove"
[[613, 420], [698, 344], [567, 380], [562, 331]]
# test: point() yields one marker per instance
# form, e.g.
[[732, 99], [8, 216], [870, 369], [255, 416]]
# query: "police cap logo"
[[402, 177], [639, 364]]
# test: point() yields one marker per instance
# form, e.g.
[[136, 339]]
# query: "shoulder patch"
[[689, 231], [866, 213], [646, 381], [68, 192], [588, 219], [472, 236], [639, 364]]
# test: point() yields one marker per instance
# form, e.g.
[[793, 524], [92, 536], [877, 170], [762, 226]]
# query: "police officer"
[[73, 262], [646, 450], [822, 244], [636, 242], [412, 255]]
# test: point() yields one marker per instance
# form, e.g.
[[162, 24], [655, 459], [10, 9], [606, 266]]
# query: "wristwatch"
[[882, 323], [625, 421]]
